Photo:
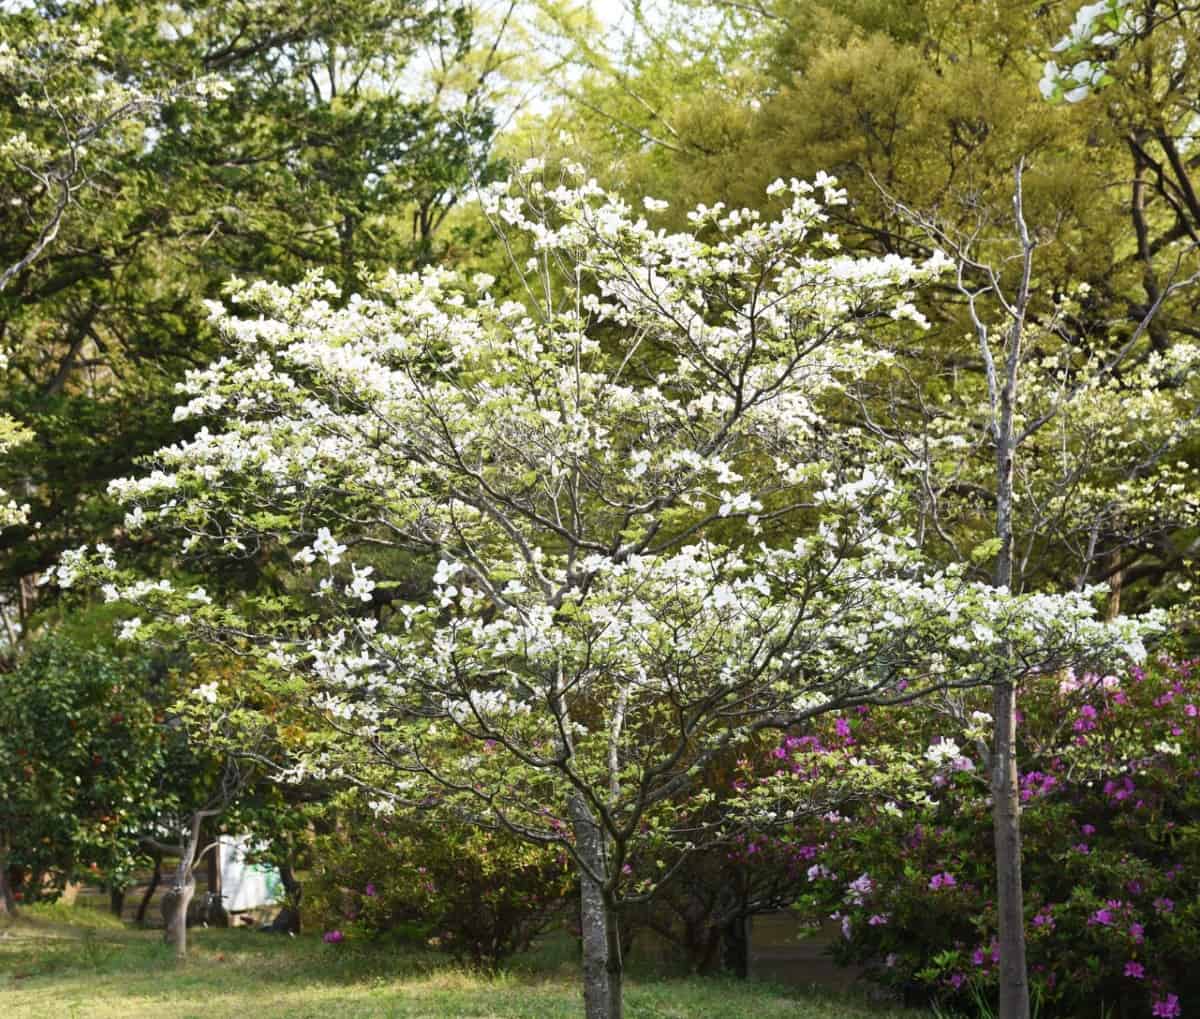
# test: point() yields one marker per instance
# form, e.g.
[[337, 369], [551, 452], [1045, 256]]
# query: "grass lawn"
[[61, 962]]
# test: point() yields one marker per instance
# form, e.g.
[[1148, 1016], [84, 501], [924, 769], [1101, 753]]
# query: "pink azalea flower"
[[1167, 1008]]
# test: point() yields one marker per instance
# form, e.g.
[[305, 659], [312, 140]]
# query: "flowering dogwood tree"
[[545, 559]]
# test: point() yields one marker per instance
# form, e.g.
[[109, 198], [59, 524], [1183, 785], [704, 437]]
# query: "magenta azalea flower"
[[1167, 1008], [1135, 970], [333, 937]]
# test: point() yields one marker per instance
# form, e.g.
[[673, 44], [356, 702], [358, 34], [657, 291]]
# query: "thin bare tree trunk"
[[1116, 581], [1006, 831], [1006, 803], [116, 901], [215, 914], [8, 902], [155, 878]]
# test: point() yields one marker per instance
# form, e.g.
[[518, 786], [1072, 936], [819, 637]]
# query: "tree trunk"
[[614, 963], [116, 901], [1006, 830], [155, 878], [735, 948], [183, 887], [213, 870], [601, 1000], [289, 917], [1006, 802], [1116, 581], [215, 914], [175, 907], [8, 902]]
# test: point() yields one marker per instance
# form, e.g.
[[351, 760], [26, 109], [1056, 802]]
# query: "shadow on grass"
[[132, 972]]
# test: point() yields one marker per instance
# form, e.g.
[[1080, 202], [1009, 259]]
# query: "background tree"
[[931, 107], [79, 754], [343, 137]]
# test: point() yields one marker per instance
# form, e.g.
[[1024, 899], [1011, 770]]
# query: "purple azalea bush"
[[1110, 782]]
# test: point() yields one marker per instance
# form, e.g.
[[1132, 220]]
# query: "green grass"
[[63, 962]]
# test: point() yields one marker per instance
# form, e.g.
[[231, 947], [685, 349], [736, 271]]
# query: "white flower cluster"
[[1098, 28]]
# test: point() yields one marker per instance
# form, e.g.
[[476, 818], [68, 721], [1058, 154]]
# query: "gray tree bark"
[[1006, 831], [601, 958], [183, 886], [175, 907], [1006, 803]]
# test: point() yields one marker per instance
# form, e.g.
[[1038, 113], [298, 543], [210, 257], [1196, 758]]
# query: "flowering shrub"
[[477, 894], [1111, 823]]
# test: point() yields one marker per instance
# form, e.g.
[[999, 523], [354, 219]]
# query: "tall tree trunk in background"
[[1116, 581], [116, 900], [1006, 830], [294, 895], [601, 999], [155, 879], [1006, 803], [215, 914], [735, 947], [8, 902]]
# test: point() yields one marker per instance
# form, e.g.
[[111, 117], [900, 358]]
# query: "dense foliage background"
[[151, 154]]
